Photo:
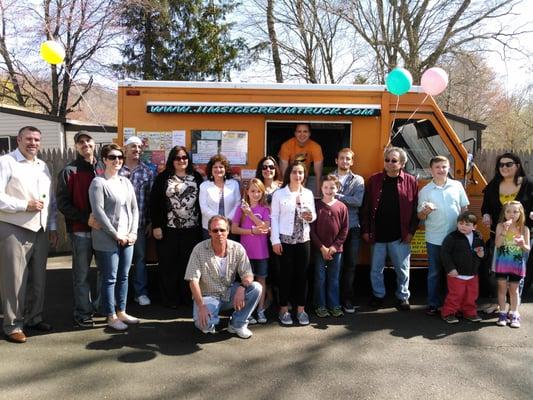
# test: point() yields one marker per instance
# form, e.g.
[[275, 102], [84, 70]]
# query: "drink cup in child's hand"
[[507, 224], [431, 206], [480, 252], [306, 213]]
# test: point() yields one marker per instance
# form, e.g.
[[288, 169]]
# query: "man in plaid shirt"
[[211, 272], [141, 177]]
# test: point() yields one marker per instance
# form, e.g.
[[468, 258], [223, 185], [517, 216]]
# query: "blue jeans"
[[238, 318], [400, 254], [349, 263], [114, 267], [434, 271], [82, 253], [327, 280], [140, 276]]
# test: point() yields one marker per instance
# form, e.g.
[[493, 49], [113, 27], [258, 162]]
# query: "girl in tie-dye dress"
[[512, 243]]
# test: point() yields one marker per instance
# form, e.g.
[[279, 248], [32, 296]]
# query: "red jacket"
[[408, 195]]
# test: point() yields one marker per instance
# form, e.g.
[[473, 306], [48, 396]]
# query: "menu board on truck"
[[232, 144]]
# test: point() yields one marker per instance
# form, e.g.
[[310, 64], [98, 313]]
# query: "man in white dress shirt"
[[27, 227]]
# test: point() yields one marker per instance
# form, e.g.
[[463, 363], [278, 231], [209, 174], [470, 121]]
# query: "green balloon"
[[399, 81]]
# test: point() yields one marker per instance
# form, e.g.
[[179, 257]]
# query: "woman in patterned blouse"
[[175, 215]]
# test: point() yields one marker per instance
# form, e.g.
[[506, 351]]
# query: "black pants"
[[294, 262], [173, 252]]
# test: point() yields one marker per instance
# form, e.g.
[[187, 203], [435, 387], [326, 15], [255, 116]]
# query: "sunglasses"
[[391, 160], [113, 157], [181, 158], [508, 164], [271, 167], [218, 230]]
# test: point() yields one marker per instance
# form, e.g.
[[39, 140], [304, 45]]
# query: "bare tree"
[[415, 34], [86, 28], [311, 44]]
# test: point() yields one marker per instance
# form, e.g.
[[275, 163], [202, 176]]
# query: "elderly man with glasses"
[[211, 272], [388, 222]]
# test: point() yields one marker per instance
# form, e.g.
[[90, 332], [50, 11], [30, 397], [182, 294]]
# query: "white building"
[[57, 133]]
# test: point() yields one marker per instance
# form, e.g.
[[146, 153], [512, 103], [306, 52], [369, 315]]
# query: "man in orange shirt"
[[302, 148]]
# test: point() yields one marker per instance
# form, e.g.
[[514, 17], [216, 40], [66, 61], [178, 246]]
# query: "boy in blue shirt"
[[439, 204]]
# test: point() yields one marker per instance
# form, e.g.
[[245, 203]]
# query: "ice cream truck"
[[246, 121]]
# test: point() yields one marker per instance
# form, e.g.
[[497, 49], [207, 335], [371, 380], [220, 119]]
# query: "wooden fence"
[[486, 161], [56, 161]]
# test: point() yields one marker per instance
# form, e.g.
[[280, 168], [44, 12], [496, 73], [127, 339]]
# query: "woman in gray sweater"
[[114, 208]]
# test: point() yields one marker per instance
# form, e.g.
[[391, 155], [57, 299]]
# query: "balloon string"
[[86, 102], [393, 120], [416, 109]]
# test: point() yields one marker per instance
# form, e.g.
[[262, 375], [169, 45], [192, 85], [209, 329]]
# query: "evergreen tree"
[[179, 40]]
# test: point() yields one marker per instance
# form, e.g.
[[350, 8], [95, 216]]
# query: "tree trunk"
[[274, 41]]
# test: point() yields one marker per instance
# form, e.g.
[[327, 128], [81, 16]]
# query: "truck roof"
[[264, 86]]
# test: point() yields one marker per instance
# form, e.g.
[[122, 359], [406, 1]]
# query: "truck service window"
[[330, 136]]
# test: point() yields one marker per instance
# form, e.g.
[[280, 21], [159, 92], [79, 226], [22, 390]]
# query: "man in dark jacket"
[[73, 201], [388, 222]]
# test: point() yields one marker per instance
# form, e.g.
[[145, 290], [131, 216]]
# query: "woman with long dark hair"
[[268, 172], [293, 210], [509, 183], [175, 215]]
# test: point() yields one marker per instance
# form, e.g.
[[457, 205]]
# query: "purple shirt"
[[256, 246], [331, 225]]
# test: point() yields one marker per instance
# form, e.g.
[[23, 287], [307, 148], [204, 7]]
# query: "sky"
[[514, 69]]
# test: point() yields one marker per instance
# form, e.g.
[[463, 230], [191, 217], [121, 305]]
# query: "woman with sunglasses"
[[175, 215], [114, 209], [509, 183], [293, 210], [220, 194], [268, 172]]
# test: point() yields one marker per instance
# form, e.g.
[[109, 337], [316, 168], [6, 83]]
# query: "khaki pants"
[[23, 256]]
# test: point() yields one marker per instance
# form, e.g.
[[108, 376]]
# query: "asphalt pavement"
[[384, 354]]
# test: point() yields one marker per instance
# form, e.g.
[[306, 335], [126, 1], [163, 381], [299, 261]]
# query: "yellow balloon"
[[52, 52]]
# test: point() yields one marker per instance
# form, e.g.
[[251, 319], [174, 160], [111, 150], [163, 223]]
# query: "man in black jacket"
[[73, 201]]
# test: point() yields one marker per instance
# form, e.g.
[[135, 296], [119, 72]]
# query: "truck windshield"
[[421, 141]]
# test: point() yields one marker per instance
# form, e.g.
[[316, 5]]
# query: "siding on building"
[[52, 131]]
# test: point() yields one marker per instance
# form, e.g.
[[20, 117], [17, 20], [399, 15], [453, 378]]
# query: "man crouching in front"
[[211, 273]]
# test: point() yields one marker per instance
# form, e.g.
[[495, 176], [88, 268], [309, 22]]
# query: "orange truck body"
[[365, 115]]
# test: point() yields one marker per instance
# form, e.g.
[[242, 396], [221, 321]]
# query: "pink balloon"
[[434, 81]]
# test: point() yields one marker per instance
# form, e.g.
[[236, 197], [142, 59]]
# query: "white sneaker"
[[143, 300], [117, 324], [210, 329], [128, 319], [261, 317], [243, 332]]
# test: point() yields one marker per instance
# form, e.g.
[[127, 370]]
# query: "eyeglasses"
[[181, 158], [217, 230], [391, 160], [507, 164], [113, 157], [272, 167]]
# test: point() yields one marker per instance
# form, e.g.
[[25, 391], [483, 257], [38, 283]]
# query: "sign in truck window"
[[232, 144], [362, 110]]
